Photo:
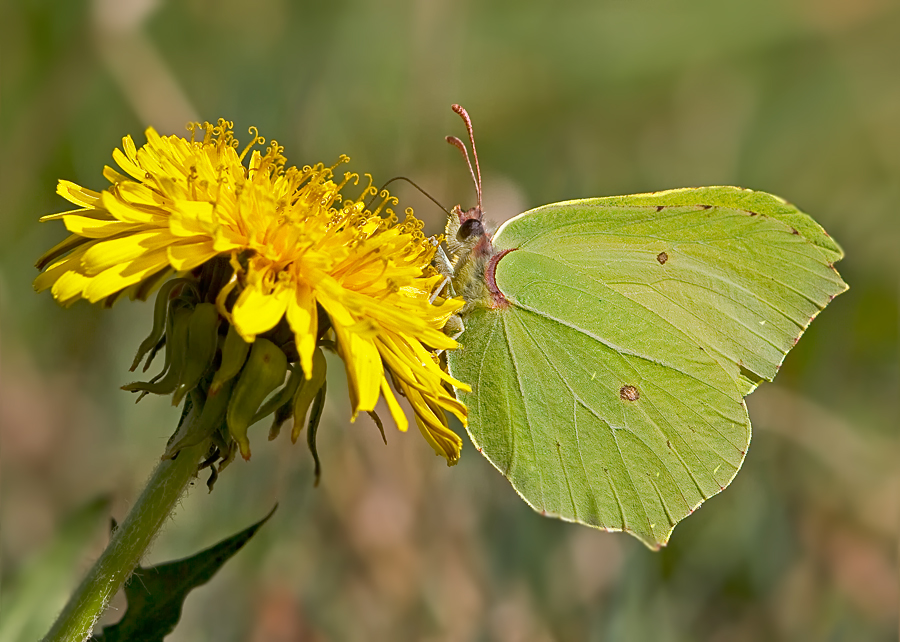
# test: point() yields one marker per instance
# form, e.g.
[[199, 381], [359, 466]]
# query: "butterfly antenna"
[[403, 178], [453, 140]]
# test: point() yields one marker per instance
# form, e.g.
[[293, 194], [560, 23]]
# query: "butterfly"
[[609, 342]]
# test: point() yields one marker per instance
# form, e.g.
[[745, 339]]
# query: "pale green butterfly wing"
[[610, 390]]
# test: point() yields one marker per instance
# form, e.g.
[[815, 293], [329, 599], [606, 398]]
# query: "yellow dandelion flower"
[[336, 272]]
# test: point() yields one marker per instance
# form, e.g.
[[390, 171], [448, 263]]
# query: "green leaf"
[[609, 390], [156, 594], [38, 591]]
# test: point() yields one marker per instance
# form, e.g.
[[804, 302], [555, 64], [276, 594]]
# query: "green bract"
[[609, 367]]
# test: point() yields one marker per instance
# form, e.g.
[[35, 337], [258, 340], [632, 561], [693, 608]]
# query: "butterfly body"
[[469, 247]]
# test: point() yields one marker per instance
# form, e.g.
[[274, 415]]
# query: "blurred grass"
[[576, 99]]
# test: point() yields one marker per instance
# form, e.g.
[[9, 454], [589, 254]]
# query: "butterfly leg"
[[442, 264], [441, 261], [440, 288], [454, 327]]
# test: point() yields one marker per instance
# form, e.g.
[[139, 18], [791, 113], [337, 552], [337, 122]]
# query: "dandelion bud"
[[307, 392], [263, 372], [234, 354], [202, 342]]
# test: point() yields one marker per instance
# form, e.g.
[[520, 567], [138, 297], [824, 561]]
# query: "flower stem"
[[127, 546]]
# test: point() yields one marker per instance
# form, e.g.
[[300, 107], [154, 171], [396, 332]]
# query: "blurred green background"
[[569, 100]]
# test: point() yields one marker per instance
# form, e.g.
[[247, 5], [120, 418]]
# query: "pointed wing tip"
[[655, 544]]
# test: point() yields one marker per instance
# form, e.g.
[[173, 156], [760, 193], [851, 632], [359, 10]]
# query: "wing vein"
[[512, 355], [611, 428]]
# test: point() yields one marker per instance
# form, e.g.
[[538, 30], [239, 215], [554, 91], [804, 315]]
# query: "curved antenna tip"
[[453, 140]]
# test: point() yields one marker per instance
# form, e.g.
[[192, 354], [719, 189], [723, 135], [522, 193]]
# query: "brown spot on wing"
[[629, 393]]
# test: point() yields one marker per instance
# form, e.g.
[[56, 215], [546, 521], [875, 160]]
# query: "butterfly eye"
[[469, 228]]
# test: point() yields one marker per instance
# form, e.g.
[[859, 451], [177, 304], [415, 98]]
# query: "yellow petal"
[[364, 368], [66, 246], [97, 215], [303, 317], [98, 229], [192, 217], [125, 161], [77, 194], [119, 277], [396, 411], [69, 286], [185, 256], [113, 176], [435, 429], [54, 272], [108, 253], [129, 213], [426, 359], [140, 194], [257, 311]]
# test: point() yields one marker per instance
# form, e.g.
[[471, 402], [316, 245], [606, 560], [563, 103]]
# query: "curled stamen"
[[335, 196], [193, 127], [275, 153], [347, 177], [370, 190], [350, 176], [343, 158], [257, 139], [387, 198]]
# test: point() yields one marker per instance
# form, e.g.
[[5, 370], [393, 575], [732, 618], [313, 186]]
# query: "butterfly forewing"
[[742, 283]]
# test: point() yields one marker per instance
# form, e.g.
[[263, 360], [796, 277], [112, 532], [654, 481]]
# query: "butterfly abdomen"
[[470, 274]]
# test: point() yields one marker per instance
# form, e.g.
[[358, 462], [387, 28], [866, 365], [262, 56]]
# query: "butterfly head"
[[470, 223]]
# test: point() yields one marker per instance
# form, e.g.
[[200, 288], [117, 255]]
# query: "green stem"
[[127, 546]]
